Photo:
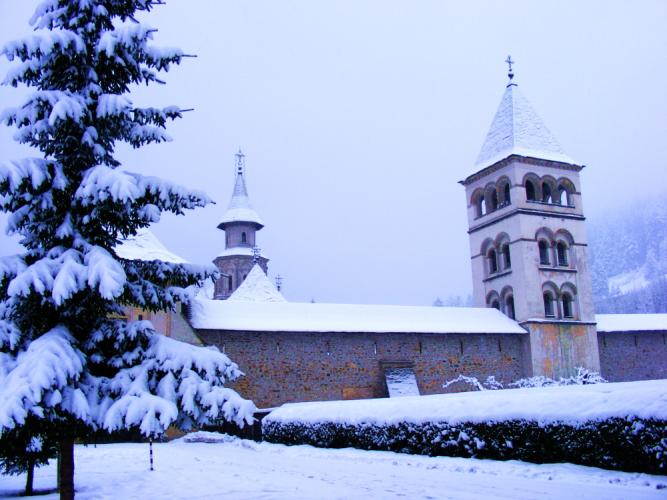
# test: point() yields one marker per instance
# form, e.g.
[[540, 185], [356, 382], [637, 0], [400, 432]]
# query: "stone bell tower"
[[240, 223], [528, 238]]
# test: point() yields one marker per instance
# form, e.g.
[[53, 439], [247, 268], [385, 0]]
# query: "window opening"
[[546, 193], [510, 306], [567, 306], [481, 206], [244, 238], [508, 200], [548, 305], [561, 250], [493, 262], [544, 252], [563, 196], [229, 283], [530, 191], [494, 200], [507, 260], [495, 304]]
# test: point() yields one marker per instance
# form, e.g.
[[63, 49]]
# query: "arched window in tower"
[[507, 197], [493, 261], [480, 206], [548, 304], [509, 306], [567, 305], [507, 260], [566, 192], [495, 303], [546, 193], [544, 253], [561, 253], [244, 237], [229, 283], [493, 201], [530, 191]]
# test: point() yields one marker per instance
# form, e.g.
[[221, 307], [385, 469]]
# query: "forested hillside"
[[628, 256]]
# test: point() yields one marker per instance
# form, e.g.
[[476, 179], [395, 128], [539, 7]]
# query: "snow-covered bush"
[[64, 358], [629, 444], [582, 377]]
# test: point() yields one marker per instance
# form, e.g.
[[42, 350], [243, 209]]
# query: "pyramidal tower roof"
[[256, 287], [517, 129], [240, 209]]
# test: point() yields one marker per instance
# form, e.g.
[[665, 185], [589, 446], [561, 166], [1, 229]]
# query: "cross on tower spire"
[[256, 254], [510, 74], [239, 162]]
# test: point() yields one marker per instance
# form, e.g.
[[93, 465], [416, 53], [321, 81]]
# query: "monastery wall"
[[627, 356], [284, 367]]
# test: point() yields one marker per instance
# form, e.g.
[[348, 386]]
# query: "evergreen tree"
[[68, 365]]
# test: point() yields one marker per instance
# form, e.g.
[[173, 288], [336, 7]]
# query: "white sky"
[[359, 117]]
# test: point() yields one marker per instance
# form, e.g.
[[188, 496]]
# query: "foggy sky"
[[359, 117]]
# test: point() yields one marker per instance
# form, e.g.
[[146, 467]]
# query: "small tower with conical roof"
[[240, 223], [528, 239]]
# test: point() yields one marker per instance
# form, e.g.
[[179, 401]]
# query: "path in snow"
[[244, 470]]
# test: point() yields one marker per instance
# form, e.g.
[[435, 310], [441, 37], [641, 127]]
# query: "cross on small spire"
[[239, 162], [279, 282], [256, 254], [510, 74]]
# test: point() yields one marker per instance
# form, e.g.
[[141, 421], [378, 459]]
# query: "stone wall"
[[288, 367], [626, 356]]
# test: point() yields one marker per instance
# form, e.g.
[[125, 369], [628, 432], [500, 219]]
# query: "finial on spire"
[[279, 282], [510, 74], [239, 162]]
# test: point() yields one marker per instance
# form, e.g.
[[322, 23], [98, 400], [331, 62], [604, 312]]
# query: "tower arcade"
[[240, 223], [528, 240]]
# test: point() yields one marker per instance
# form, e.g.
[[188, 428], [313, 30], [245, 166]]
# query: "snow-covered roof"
[[631, 322], [240, 209], [517, 129], [307, 317], [256, 287], [239, 251], [145, 246]]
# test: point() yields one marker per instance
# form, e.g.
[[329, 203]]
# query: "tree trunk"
[[29, 480], [66, 469]]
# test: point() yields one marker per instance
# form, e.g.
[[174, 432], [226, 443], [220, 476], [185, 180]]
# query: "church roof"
[[517, 129], [306, 317], [145, 246], [256, 287], [240, 209]]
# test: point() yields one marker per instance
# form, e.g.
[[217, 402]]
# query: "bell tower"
[[240, 223], [528, 238]]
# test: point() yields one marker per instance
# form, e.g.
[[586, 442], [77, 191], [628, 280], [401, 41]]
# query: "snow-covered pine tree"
[[65, 358]]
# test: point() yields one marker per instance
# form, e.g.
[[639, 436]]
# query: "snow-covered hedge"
[[617, 426]]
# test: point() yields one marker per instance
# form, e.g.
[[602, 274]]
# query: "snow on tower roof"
[[256, 287], [145, 246], [240, 209], [306, 317], [517, 129]]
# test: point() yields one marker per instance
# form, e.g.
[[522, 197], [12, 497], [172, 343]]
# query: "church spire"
[[517, 129], [239, 209]]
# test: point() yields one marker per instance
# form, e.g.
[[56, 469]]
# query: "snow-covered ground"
[[243, 469]]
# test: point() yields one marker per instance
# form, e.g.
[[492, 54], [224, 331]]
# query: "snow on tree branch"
[[43, 377], [172, 375]]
